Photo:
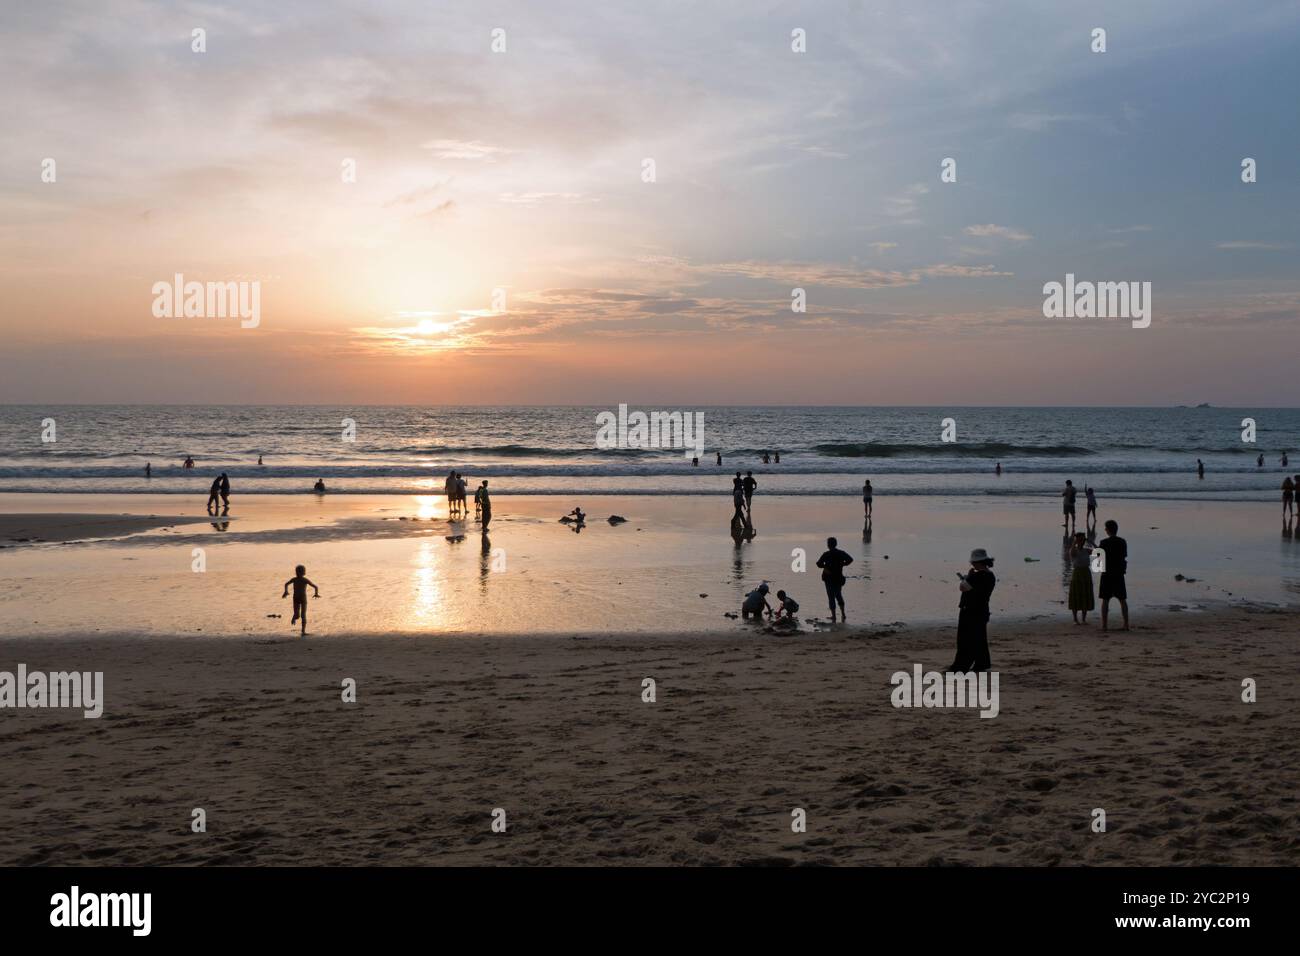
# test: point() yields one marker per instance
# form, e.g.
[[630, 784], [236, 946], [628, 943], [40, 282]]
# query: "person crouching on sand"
[[756, 603], [300, 584], [789, 607], [1081, 597], [973, 615]]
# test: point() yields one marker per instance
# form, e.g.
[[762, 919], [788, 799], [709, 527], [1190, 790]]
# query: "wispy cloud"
[[989, 230], [1239, 244], [463, 149]]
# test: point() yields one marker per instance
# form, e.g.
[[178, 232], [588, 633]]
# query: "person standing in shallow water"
[[833, 562], [1200, 468], [973, 615], [1069, 494]]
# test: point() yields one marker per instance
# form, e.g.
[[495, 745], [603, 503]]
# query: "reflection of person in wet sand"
[[755, 604], [833, 562], [300, 584]]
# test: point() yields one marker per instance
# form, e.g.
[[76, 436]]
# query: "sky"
[[432, 220]]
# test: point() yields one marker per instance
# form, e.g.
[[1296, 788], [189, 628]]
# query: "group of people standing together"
[[456, 488], [1079, 548]]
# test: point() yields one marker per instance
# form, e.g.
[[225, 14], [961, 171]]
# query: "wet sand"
[[38, 527], [1147, 725], [390, 564]]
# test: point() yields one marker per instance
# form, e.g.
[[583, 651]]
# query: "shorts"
[[1068, 509], [834, 592], [1112, 586]]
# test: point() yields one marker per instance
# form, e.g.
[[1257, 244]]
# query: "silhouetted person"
[[225, 491], [789, 606], [189, 462], [867, 495], [749, 484], [695, 462], [485, 502], [1288, 495], [998, 469], [833, 562], [148, 470], [973, 615], [777, 456], [1080, 593], [214, 492], [300, 585], [1200, 468], [1112, 583], [719, 458], [1259, 462], [1069, 494], [1090, 515], [755, 604], [1285, 462], [259, 461], [738, 495], [319, 487]]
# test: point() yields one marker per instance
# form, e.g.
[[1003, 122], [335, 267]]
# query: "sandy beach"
[[520, 688], [1147, 725]]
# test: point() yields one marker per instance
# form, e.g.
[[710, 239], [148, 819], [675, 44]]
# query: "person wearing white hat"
[[973, 617]]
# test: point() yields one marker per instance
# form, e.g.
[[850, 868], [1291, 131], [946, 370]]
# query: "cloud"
[[463, 149], [904, 204], [1000, 232], [1270, 246], [534, 198]]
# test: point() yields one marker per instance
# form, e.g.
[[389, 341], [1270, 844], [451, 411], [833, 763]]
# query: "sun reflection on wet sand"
[[426, 588]]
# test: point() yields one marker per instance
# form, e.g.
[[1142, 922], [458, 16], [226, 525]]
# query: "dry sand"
[[1148, 725]]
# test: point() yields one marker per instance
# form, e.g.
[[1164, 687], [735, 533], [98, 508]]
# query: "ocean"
[[1134, 452]]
